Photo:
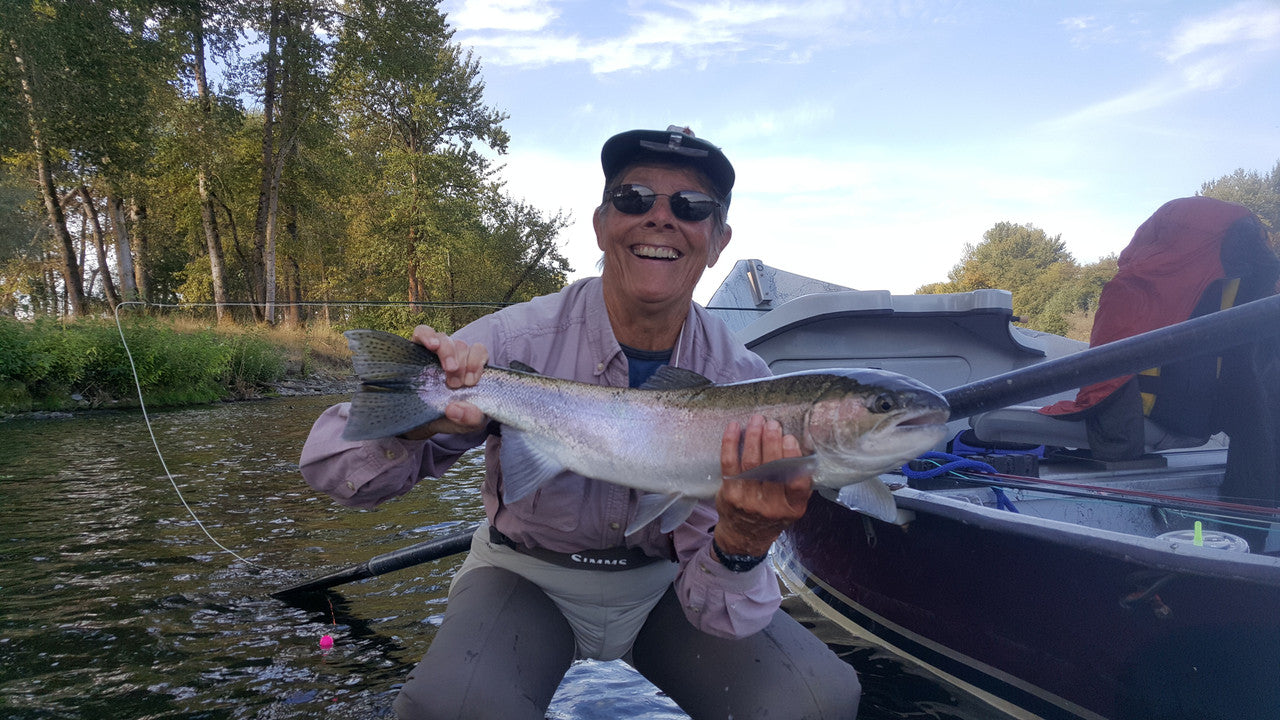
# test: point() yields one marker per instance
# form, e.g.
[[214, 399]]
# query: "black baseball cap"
[[675, 144]]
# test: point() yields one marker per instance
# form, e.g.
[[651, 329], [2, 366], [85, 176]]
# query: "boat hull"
[[1054, 620]]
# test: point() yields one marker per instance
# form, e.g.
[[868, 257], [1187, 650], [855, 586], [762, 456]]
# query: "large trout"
[[664, 439]]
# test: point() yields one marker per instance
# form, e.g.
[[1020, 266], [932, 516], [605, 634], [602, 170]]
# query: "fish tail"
[[387, 403], [383, 359]]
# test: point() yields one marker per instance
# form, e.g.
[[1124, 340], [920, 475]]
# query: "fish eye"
[[882, 403]]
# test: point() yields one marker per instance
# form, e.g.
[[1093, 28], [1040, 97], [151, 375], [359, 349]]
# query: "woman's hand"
[[462, 364], [754, 512]]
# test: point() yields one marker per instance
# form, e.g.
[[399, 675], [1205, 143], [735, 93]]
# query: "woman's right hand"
[[462, 364]]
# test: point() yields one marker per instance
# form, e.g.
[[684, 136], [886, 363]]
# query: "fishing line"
[[137, 383], [133, 368]]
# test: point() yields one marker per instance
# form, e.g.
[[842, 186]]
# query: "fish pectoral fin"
[[378, 413], [782, 469], [672, 510], [674, 378], [870, 497], [524, 467], [522, 367]]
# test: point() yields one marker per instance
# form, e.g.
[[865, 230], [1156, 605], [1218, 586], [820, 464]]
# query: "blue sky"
[[873, 140]]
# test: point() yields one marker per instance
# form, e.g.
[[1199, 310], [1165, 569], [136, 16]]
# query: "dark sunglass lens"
[[692, 206], [633, 199]]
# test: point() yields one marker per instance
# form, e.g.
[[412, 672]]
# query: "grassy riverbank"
[[67, 365]]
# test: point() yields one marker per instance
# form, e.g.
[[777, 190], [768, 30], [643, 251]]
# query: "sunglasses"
[[687, 205]]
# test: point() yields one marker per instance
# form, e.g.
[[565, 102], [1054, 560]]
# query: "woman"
[[694, 610]]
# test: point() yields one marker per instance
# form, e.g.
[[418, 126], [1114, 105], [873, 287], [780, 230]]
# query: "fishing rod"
[[422, 552], [1205, 335]]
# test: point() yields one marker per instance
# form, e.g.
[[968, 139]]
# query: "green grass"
[[53, 365]]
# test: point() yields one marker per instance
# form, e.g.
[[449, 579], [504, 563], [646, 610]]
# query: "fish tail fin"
[[378, 412], [387, 360], [386, 403]]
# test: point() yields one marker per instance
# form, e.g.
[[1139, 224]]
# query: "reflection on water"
[[114, 604]]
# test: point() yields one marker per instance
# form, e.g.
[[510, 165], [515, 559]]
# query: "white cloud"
[[659, 34], [1246, 27], [508, 15], [1204, 54]]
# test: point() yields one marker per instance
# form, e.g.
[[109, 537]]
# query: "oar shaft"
[[422, 552], [1205, 335]]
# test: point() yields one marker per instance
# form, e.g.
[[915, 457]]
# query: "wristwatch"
[[736, 563]]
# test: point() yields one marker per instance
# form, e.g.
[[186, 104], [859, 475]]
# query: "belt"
[[615, 558]]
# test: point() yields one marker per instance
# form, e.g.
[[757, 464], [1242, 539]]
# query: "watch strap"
[[736, 563]]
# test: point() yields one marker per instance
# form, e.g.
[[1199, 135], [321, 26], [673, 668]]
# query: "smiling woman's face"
[[657, 257]]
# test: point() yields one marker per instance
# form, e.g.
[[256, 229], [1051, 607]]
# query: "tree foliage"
[[1259, 193], [254, 153], [1051, 292]]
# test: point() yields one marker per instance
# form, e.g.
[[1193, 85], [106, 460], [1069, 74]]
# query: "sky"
[[873, 140]]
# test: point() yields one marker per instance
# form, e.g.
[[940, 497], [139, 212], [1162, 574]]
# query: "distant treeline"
[[262, 152], [1054, 293]]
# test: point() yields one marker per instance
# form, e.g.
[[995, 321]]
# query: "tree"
[[413, 101], [367, 163], [1259, 193], [82, 75], [1050, 291]]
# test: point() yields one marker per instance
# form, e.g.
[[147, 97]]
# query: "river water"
[[115, 604]]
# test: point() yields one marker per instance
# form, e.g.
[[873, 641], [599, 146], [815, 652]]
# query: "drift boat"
[[1059, 586]]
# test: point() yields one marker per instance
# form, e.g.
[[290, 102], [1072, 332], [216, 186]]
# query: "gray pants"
[[504, 647]]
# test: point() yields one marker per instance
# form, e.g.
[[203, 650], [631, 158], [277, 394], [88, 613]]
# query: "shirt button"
[[599, 367], [391, 454], [614, 526], [351, 485]]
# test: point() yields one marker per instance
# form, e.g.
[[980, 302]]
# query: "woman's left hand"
[[754, 512]]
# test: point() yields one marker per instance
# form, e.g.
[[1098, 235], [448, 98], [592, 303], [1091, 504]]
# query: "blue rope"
[[949, 463], [1002, 501]]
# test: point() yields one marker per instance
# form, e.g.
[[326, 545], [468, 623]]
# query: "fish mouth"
[[925, 418], [656, 252]]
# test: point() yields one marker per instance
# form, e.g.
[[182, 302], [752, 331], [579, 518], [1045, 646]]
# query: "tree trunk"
[[71, 272], [417, 292], [208, 218], [100, 243], [124, 248], [528, 270], [269, 256], [142, 257], [267, 188], [293, 287]]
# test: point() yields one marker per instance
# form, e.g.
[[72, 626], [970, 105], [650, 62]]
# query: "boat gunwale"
[[1158, 554]]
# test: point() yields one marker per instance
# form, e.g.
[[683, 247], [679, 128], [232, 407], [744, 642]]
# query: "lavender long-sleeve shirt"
[[565, 335]]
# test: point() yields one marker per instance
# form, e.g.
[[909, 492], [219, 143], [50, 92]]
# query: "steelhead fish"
[[664, 438]]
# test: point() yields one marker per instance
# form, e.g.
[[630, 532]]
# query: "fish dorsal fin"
[[672, 509], [524, 466], [674, 378], [522, 367], [870, 497]]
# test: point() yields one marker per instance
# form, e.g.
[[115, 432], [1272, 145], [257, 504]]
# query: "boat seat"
[[1023, 424]]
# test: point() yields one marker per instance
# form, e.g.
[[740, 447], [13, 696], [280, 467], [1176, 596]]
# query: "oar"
[[1205, 335], [422, 552]]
